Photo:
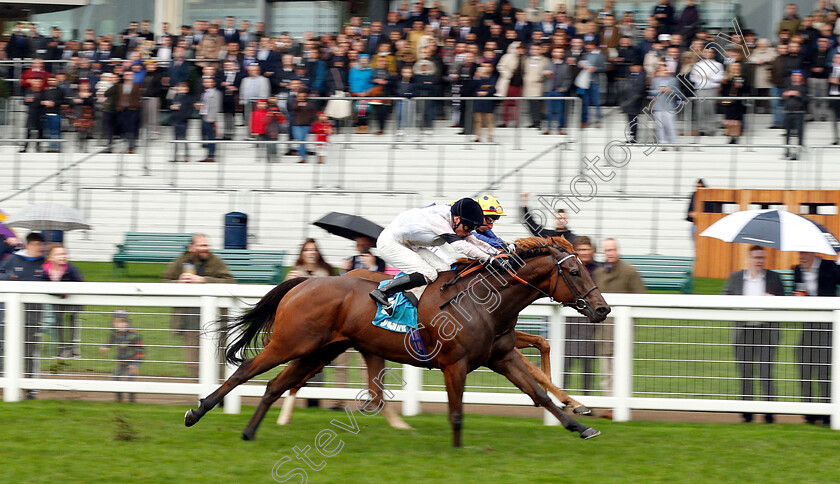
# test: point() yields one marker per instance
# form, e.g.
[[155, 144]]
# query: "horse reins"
[[580, 301]]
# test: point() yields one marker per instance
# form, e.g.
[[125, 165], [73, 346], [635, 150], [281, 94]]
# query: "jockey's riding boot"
[[394, 286]]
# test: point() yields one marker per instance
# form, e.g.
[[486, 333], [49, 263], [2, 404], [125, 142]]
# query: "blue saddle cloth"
[[404, 317]]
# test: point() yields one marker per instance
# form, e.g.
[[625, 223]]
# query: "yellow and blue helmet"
[[490, 206]]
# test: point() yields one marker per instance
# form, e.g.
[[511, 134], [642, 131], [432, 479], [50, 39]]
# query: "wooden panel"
[[715, 258]]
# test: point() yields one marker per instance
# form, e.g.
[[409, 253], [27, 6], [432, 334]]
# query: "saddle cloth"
[[405, 311]]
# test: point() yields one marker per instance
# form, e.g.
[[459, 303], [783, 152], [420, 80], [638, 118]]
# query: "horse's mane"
[[530, 246]]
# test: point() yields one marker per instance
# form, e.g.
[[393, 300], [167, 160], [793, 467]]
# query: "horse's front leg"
[[455, 376], [543, 375], [511, 366]]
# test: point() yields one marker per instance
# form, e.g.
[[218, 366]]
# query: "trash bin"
[[236, 230], [53, 236]]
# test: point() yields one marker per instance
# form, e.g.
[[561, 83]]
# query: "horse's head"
[[568, 281]]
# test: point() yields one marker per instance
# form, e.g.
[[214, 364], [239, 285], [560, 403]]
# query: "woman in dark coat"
[[734, 86]]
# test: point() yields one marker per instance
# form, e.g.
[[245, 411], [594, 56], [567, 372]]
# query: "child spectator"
[[258, 123], [181, 109], [322, 129], [277, 124], [129, 350]]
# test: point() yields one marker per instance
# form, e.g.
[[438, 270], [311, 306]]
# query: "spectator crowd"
[[227, 72]]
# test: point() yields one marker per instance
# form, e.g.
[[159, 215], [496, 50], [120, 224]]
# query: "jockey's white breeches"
[[408, 259]]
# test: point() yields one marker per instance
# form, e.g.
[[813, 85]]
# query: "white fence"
[[668, 352]]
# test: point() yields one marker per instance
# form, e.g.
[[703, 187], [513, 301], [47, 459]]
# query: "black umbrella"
[[349, 226]]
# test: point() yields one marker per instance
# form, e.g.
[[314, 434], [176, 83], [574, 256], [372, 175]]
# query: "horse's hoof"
[[589, 433], [582, 410], [190, 418], [248, 436]]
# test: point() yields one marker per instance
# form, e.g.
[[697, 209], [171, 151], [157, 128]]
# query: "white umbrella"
[[48, 216], [777, 229]]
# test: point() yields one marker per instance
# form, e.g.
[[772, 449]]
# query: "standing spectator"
[[557, 84], [152, 88], [84, 106], [761, 59], [664, 15], [791, 20], [426, 84], [635, 98], [37, 71], [707, 76], [322, 129], [735, 86], [209, 108], [615, 276], [814, 276], [510, 69], [28, 265], [303, 113], [689, 22], [663, 89], [182, 109], [778, 78], [461, 76], [834, 92], [253, 87], [589, 87], [538, 229], [580, 333], [360, 81], [130, 350], [382, 86], [106, 100], [537, 67], [210, 46], [33, 98], [404, 87], [755, 342], [58, 269], [693, 209], [483, 110], [231, 82], [128, 109], [795, 98], [818, 62], [277, 124], [364, 259], [198, 265]]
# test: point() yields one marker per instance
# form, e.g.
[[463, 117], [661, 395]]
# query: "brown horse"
[[315, 320]]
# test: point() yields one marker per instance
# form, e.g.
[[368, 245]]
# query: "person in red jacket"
[[322, 129], [261, 127], [37, 71]]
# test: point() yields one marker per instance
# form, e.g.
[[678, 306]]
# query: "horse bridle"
[[580, 303]]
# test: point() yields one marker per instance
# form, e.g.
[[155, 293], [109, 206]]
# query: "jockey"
[[405, 244], [492, 211]]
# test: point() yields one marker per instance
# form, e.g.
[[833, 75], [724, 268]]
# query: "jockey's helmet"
[[469, 210], [490, 206]]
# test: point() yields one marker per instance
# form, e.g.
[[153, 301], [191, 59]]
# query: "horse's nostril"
[[603, 310]]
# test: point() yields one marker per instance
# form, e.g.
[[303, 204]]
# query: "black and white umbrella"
[[777, 229]]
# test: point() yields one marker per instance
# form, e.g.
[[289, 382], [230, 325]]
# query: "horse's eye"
[[575, 272]]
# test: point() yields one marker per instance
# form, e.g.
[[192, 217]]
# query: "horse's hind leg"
[[296, 373], [512, 367], [268, 358], [376, 386]]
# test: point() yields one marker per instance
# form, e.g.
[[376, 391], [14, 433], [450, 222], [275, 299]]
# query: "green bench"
[[247, 266], [662, 272]]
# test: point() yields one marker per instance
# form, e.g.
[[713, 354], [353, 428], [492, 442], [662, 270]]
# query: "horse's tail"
[[258, 319]]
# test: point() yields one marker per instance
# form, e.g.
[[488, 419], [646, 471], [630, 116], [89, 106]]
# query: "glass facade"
[[219, 9], [104, 16], [298, 17]]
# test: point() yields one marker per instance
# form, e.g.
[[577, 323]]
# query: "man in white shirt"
[[706, 77], [755, 342], [815, 276]]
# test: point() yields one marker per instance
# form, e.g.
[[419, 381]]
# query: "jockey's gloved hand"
[[501, 265]]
